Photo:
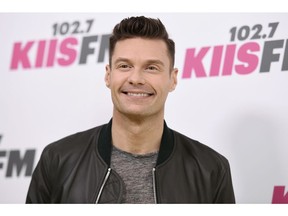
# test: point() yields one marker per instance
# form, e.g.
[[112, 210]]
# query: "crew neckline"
[[146, 155]]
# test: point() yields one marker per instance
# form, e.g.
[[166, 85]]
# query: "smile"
[[138, 94]]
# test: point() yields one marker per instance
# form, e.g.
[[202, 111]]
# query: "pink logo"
[[242, 59], [59, 52], [279, 195], [21, 53]]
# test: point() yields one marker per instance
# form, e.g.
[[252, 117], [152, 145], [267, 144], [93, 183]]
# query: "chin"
[[137, 115]]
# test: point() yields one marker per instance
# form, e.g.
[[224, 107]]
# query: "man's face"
[[140, 77]]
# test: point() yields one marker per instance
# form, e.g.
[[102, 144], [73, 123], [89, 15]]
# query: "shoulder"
[[199, 153], [73, 143]]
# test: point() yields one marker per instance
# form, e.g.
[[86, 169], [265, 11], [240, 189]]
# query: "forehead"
[[140, 48]]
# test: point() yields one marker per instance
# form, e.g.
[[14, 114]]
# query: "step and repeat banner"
[[231, 94]]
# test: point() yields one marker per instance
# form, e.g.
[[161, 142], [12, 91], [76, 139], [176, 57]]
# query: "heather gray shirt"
[[136, 172]]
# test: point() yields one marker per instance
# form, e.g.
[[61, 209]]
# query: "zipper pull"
[[154, 184], [103, 184]]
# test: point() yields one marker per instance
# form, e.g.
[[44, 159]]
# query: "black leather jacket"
[[76, 169]]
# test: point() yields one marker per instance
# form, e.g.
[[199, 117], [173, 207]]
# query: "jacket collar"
[[105, 144]]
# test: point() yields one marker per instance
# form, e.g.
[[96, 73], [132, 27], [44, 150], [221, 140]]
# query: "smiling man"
[[136, 157], [140, 77]]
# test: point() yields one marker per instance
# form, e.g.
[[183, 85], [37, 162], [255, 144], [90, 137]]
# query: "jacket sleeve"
[[40, 189], [224, 191]]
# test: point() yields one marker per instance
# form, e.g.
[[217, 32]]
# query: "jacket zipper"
[[103, 184], [154, 184]]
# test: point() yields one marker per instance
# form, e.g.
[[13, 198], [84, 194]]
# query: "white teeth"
[[138, 94]]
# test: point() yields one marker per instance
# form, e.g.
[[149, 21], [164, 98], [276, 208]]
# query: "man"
[[135, 158]]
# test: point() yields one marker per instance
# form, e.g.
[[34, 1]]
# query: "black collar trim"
[[105, 144]]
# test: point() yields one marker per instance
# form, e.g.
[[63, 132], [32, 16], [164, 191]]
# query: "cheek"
[[116, 82], [162, 87]]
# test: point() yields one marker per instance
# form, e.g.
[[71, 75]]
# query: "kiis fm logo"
[[61, 51], [241, 58], [15, 163], [224, 59]]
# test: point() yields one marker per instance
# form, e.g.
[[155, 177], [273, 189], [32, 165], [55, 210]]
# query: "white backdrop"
[[45, 94]]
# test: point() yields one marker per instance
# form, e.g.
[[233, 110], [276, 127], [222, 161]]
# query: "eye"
[[124, 67], [152, 68]]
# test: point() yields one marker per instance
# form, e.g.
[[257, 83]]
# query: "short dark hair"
[[142, 27]]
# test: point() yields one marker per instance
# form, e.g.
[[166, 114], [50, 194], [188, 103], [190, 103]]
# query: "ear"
[[173, 77], [107, 75]]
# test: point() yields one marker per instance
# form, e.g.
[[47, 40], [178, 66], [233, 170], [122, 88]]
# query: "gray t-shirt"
[[136, 172]]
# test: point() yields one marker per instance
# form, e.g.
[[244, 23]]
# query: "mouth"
[[137, 94]]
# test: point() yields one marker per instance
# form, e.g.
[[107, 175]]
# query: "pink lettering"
[[51, 53], [279, 195], [216, 61], [194, 63], [68, 51], [20, 55], [40, 53], [229, 60], [251, 60]]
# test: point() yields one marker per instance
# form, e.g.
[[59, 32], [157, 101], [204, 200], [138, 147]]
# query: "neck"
[[137, 136]]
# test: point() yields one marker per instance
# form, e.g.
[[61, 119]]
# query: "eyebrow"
[[148, 61], [120, 59]]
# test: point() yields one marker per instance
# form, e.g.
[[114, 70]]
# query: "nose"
[[136, 77]]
